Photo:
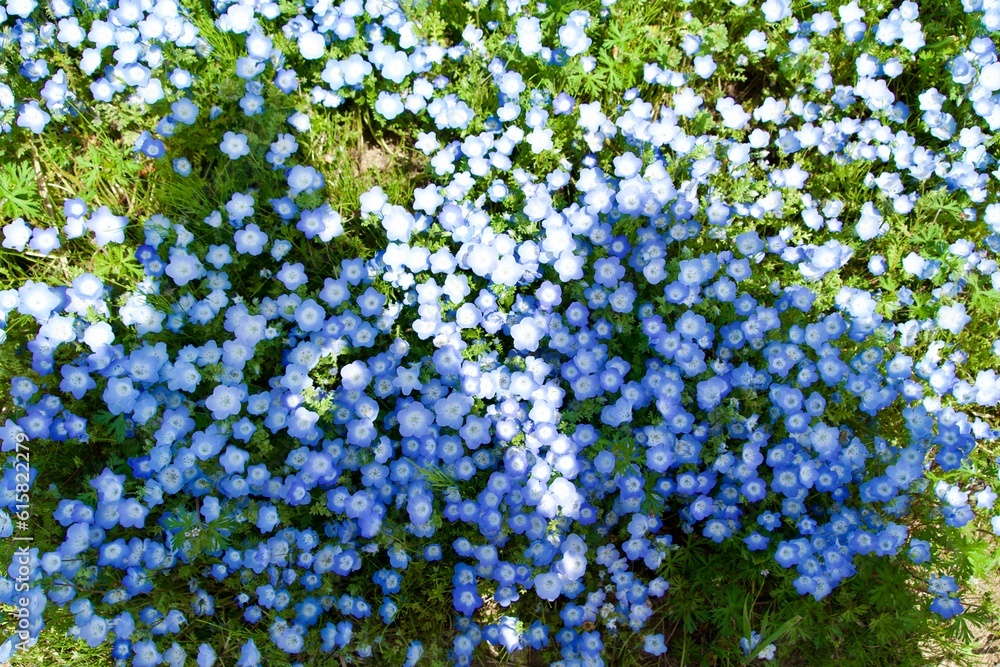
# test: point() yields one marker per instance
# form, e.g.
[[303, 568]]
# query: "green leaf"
[[19, 191], [114, 425], [771, 638]]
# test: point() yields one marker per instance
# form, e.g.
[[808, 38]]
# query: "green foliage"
[[18, 191], [113, 425]]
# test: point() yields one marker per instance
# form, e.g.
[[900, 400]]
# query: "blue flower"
[[946, 607], [953, 318], [654, 644], [250, 240], [33, 118], [234, 145]]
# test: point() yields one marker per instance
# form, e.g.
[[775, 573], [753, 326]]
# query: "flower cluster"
[[575, 344]]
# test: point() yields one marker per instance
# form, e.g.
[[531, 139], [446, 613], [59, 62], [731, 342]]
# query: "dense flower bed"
[[605, 321]]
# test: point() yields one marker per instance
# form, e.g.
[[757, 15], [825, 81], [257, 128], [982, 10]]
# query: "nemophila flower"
[[184, 111], [323, 223], [526, 334], [234, 145], [107, 228], [989, 77], [871, 223], [44, 241], [529, 35], [33, 117], [182, 166], [733, 115], [953, 318], [548, 586], [704, 66], [183, 267], [6, 97], [823, 259], [250, 240], [285, 208], [540, 139], [145, 654], [292, 275], [225, 402], [654, 644], [756, 41], [311, 45], [947, 607], [286, 80], [942, 585], [389, 105], [571, 34], [917, 266], [16, 234], [240, 206], [303, 179], [249, 655]]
